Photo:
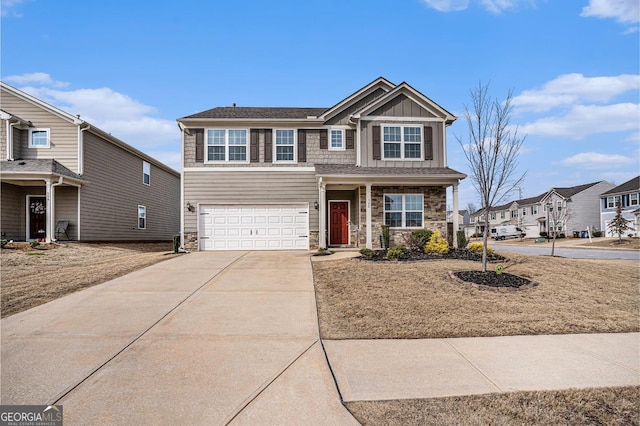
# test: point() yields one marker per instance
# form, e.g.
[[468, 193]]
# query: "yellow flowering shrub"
[[436, 244], [477, 248]]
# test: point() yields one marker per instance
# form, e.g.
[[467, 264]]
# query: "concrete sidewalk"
[[207, 338], [368, 370]]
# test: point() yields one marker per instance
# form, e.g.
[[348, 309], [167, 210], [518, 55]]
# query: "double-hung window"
[[228, 145], [403, 210], [612, 202], [146, 173], [514, 213], [559, 204], [402, 142], [501, 215], [285, 145], [336, 141], [39, 138], [142, 217], [534, 209], [524, 211], [493, 215], [633, 199]]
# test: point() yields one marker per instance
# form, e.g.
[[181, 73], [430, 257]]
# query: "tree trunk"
[[484, 241]]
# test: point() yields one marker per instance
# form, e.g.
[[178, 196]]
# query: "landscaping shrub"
[[417, 239], [477, 248], [396, 252], [462, 239], [34, 244], [543, 234], [437, 244], [365, 252], [3, 243], [597, 233], [385, 235]]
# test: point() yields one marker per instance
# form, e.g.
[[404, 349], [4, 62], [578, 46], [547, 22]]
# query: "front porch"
[[36, 194]]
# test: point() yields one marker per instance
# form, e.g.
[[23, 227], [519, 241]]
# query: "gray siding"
[[3, 139], [13, 210], [110, 198], [259, 187], [402, 106], [367, 146], [315, 155], [63, 134], [343, 116], [584, 208], [66, 200]]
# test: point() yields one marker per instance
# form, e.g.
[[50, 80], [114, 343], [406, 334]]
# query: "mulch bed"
[[492, 279], [457, 254]]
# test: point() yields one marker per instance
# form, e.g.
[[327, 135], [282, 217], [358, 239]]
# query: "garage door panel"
[[255, 227]]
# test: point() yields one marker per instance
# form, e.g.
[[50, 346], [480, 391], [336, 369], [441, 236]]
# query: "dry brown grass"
[[627, 243], [369, 300], [32, 277], [604, 406]]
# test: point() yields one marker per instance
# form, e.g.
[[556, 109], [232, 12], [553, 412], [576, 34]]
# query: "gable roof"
[[571, 191], [628, 186], [530, 200], [379, 82], [413, 94], [270, 113]]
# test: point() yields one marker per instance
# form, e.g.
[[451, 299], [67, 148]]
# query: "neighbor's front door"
[[37, 218], [339, 223]]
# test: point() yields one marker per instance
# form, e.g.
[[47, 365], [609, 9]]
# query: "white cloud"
[[493, 6], [584, 120], [596, 160], [7, 6], [116, 113], [623, 11], [569, 89]]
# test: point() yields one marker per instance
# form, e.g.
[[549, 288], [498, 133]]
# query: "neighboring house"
[[301, 178], [629, 195], [574, 208], [464, 218], [56, 168], [529, 213]]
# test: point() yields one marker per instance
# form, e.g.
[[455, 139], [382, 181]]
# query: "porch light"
[[316, 205], [190, 207]]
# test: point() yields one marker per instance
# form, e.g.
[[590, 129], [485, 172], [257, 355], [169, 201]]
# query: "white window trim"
[[534, 210], [403, 211], [402, 126], [524, 211], [39, 129], [615, 202], [275, 147], [493, 216], [502, 215], [146, 171], [145, 217], [343, 135], [637, 199], [226, 146]]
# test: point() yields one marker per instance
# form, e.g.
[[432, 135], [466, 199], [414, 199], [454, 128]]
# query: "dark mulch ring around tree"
[[457, 254], [493, 279]]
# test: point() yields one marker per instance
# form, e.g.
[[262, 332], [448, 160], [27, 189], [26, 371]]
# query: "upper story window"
[[534, 209], [514, 213], [227, 145], [39, 138], [336, 140], [403, 210], [146, 173], [501, 215], [633, 199], [559, 204], [402, 142], [493, 216], [142, 217], [612, 202], [285, 145], [524, 211]]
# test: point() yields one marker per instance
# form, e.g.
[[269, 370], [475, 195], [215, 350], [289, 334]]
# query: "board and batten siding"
[[342, 118], [226, 186], [114, 189], [402, 106], [367, 146], [63, 135]]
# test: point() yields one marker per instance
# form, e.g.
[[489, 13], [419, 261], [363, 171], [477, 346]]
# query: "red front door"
[[338, 223], [37, 217]]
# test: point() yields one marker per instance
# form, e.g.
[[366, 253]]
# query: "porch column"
[[322, 202], [369, 244], [455, 215], [48, 210]]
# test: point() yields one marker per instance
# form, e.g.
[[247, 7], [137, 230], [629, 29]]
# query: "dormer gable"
[[357, 100]]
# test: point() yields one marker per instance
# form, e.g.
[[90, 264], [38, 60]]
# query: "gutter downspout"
[[358, 146], [444, 144], [52, 204], [182, 128]]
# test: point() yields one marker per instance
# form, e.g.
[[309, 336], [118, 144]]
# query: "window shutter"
[[349, 138], [428, 143], [199, 144], [268, 150], [302, 146], [375, 137], [254, 152], [324, 139]]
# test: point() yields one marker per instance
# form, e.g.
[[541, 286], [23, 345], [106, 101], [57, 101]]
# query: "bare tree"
[[558, 216], [491, 148], [471, 207]]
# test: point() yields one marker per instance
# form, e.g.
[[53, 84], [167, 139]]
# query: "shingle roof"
[[571, 191], [531, 200], [37, 166], [348, 169], [258, 112], [630, 185]]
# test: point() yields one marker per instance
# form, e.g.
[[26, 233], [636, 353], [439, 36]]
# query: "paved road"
[[574, 253]]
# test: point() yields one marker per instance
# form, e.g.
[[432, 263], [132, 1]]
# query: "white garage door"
[[255, 227]]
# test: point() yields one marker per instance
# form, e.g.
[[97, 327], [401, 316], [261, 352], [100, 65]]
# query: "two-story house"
[[628, 196], [301, 178], [57, 169]]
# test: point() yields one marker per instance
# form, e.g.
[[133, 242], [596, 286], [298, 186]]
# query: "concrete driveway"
[[207, 338]]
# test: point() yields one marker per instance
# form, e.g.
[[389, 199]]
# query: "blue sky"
[[132, 68]]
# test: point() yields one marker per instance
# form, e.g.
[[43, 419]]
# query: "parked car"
[[508, 231]]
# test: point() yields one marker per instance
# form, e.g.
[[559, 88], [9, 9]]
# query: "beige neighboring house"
[[301, 178], [57, 169]]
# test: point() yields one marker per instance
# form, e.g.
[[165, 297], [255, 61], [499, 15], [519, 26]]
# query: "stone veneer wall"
[[435, 211]]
